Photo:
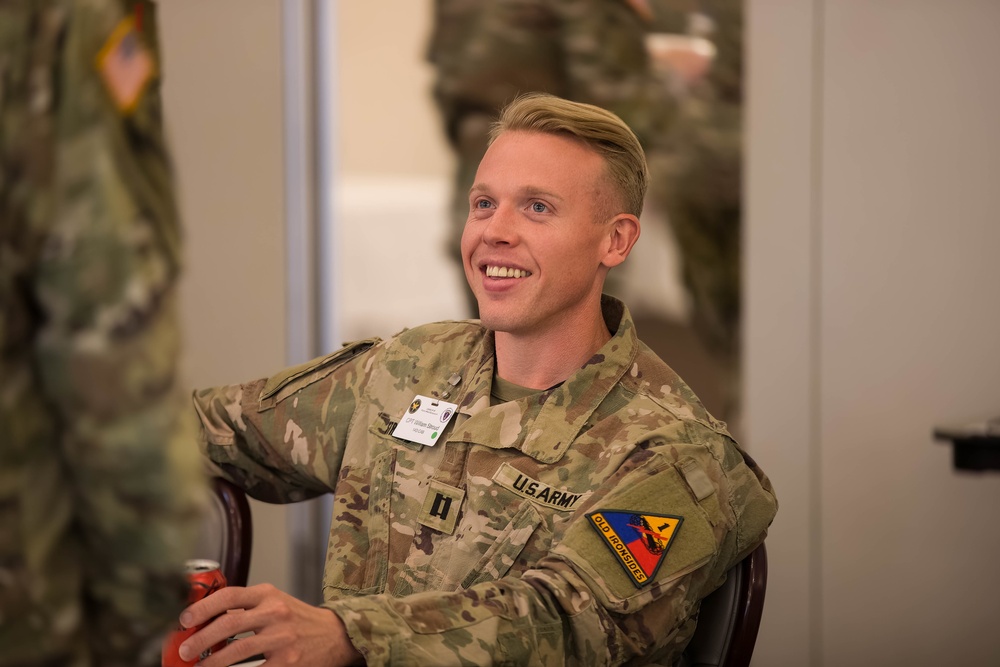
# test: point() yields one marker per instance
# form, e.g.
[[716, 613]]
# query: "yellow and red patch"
[[639, 541]]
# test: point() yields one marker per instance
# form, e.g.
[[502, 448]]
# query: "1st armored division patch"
[[638, 541]]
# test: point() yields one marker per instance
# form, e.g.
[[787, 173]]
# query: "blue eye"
[[483, 203], [539, 207]]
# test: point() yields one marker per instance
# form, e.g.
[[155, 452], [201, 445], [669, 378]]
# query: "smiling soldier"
[[578, 501]]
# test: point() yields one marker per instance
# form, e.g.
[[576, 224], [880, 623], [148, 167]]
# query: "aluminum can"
[[204, 578]]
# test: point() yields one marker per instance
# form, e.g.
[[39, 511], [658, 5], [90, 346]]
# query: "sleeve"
[[107, 354], [282, 438], [590, 601]]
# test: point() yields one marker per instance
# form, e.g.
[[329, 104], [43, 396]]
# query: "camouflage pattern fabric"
[[99, 488], [479, 549], [487, 52], [697, 180]]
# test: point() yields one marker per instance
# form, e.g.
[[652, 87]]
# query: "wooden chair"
[[235, 525], [730, 617]]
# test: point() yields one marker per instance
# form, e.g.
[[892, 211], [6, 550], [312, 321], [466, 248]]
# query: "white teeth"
[[505, 272]]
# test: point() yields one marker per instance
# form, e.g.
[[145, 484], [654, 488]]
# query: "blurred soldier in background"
[[487, 52], [697, 179], [99, 486]]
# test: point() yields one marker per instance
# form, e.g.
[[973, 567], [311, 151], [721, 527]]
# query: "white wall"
[[872, 274], [222, 61]]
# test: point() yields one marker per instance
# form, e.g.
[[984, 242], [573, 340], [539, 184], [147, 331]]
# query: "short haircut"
[[599, 129]]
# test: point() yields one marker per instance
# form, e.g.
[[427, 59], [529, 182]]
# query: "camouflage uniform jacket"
[[99, 488], [479, 550]]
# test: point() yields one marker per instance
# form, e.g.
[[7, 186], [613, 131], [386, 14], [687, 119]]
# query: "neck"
[[540, 360]]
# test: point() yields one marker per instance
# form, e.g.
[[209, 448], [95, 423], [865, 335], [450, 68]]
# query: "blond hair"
[[599, 129]]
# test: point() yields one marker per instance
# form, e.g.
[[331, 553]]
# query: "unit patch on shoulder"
[[125, 65], [639, 541]]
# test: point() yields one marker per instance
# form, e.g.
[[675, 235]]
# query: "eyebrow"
[[528, 191]]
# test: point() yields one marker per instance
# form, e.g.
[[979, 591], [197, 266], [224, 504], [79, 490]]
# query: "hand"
[[287, 630]]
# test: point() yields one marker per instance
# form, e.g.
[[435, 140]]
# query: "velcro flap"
[[284, 384], [696, 477]]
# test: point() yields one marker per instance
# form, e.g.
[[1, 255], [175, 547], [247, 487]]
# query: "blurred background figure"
[[672, 69], [99, 484], [697, 172]]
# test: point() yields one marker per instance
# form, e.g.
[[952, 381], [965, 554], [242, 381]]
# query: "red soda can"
[[204, 578]]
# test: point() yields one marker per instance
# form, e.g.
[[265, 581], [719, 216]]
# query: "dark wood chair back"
[[730, 617], [237, 529]]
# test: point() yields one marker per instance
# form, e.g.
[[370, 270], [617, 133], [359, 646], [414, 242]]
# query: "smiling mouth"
[[505, 272]]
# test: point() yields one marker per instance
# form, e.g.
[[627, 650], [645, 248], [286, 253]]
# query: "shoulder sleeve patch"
[[126, 66], [653, 532], [638, 541]]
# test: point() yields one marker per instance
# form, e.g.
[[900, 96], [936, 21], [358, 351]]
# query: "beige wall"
[[223, 110], [387, 123], [871, 239]]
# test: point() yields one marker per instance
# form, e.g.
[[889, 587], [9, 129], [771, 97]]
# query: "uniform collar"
[[544, 424]]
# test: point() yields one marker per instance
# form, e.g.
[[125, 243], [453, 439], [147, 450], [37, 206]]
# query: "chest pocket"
[[358, 552], [502, 554]]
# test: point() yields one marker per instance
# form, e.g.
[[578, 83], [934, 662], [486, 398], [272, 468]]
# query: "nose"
[[501, 228]]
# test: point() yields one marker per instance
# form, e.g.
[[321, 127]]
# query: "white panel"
[[910, 330], [779, 349], [403, 277]]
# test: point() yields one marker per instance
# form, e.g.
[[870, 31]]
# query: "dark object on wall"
[[976, 446]]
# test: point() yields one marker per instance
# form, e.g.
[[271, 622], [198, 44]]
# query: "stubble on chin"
[[496, 319]]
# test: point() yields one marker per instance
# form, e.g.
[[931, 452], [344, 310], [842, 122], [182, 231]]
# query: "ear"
[[623, 232]]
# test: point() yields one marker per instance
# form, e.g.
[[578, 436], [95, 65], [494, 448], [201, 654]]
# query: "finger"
[[215, 632], [244, 616], [229, 624], [235, 652], [231, 597]]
